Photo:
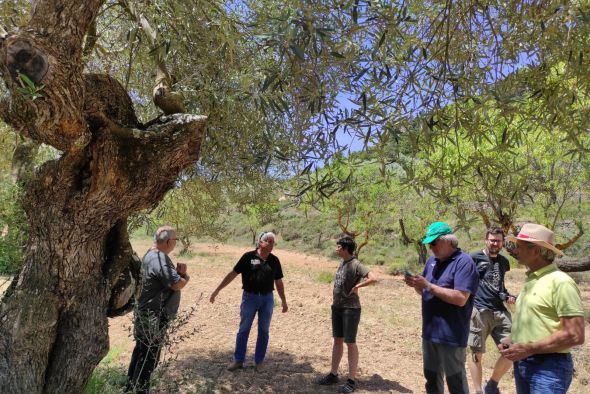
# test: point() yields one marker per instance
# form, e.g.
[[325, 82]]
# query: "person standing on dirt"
[[261, 271], [549, 317], [447, 286], [346, 312], [156, 306], [490, 316]]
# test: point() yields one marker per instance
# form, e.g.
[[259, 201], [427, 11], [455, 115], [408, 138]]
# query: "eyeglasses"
[[495, 241]]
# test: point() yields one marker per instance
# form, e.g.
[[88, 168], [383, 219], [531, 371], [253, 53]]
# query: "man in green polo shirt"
[[549, 317]]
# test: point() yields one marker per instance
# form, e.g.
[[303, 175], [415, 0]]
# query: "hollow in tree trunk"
[[53, 319]]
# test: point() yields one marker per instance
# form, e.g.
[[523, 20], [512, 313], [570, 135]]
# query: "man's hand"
[[516, 351], [418, 282], [511, 300], [285, 306], [355, 290], [181, 268], [505, 344], [213, 295]]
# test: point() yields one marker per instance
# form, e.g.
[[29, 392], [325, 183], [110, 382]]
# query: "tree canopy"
[[452, 92]]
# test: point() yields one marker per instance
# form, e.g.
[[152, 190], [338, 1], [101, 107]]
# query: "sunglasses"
[[433, 243]]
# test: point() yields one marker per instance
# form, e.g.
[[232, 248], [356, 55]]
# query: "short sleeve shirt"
[[548, 294], [491, 281], [258, 275], [348, 275], [442, 322], [159, 274]]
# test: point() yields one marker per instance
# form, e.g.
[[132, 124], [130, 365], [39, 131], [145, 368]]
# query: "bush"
[[325, 277], [13, 228], [107, 378]]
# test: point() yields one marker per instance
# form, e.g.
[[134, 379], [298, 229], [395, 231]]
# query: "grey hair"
[[264, 236], [547, 254], [163, 234], [452, 238]]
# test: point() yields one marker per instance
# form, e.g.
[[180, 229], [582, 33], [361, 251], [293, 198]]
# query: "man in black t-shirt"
[[261, 271], [490, 316]]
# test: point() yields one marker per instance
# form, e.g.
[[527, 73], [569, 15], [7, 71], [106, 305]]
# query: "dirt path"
[[300, 344]]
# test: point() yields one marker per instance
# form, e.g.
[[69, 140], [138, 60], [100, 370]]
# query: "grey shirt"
[[349, 274], [158, 275]]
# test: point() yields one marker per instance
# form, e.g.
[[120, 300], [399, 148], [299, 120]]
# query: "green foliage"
[[13, 228], [195, 210], [28, 88], [325, 277], [107, 378]]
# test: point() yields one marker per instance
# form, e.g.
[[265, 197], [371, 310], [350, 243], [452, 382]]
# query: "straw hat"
[[537, 234]]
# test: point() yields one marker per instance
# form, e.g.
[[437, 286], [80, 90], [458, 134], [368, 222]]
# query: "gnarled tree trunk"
[[574, 265], [53, 320]]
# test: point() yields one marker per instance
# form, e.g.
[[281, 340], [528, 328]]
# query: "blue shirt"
[[442, 322]]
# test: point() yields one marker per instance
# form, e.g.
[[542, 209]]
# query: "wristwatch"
[[428, 287]]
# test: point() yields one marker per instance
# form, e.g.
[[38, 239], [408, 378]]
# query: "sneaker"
[[328, 379], [489, 389], [235, 365], [347, 387], [259, 367]]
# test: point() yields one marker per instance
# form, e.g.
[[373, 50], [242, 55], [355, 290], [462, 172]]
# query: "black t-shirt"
[[491, 281], [258, 275]]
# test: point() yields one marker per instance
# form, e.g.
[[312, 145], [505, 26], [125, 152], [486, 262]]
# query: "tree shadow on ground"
[[207, 373]]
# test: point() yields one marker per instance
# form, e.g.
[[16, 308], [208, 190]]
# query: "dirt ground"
[[300, 340]]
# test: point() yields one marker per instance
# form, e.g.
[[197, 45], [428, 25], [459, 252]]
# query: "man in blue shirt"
[[446, 285]]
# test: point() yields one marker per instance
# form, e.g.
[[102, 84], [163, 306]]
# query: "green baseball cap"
[[435, 230]]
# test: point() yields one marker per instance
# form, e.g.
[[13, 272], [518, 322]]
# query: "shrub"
[[13, 228], [325, 277]]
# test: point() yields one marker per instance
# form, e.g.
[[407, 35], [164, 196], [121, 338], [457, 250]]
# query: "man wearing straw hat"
[[549, 317]]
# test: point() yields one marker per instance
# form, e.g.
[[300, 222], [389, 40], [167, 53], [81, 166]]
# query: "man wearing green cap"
[[446, 285]]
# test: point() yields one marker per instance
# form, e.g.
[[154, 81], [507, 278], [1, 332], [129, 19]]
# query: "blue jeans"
[[544, 373], [251, 304]]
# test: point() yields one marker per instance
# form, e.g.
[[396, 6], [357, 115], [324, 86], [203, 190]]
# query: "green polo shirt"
[[547, 295]]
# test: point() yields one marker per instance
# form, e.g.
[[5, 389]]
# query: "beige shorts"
[[486, 322]]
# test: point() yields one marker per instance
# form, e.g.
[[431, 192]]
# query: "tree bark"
[[53, 322], [574, 265]]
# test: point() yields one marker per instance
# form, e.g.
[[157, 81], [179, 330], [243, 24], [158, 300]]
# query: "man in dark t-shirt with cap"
[[346, 312], [261, 271], [447, 286]]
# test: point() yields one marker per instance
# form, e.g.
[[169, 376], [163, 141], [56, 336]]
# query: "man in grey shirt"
[[156, 306], [346, 312]]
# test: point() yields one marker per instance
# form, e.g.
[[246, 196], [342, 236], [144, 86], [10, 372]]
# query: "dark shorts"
[[345, 322]]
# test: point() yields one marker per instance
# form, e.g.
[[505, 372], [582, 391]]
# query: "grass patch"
[[186, 254], [325, 277], [107, 378]]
